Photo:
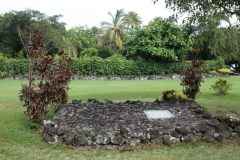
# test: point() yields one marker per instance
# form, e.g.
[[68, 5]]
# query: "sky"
[[88, 12]]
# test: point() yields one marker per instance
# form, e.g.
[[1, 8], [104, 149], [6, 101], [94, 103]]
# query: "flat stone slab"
[[158, 114]]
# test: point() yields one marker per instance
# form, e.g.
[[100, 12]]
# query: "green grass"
[[18, 142]]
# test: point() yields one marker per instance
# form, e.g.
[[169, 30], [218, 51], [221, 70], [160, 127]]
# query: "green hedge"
[[112, 66], [14, 66]]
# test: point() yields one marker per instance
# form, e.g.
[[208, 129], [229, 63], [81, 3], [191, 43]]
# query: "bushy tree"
[[160, 40], [29, 20]]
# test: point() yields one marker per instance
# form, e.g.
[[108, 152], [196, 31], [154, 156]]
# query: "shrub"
[[172, 95], [191, 79], [224, 71], [221, 86], [52, 88]]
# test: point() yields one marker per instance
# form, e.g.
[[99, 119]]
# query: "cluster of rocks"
[[94, 123]]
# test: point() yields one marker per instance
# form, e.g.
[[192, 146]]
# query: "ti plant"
[[51, 88], [191, 79]]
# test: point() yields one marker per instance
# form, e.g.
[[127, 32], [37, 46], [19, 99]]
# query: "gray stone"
[[80, 140], [169, 140], [223, 130], [62, 112], [208, 137], [190, 138], [158, 140], [237, 129], [218, 137], [181, 130], [134, 142], [68, 137], [154, 133], [119, 140]]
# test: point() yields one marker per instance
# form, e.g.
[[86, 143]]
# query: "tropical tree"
[[113, 33], [160, 40], [96, 35], [79, 38], [132, 20]]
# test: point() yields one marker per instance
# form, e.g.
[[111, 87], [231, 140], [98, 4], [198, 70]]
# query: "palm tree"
[[113, 33], [95, 32], [132, 20]]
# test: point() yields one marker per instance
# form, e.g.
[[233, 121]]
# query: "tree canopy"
[[204, 9], [24, 21], [160, 40]]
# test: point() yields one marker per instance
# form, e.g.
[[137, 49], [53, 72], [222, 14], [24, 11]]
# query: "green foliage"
[[52, 88], [105, 52], [14, 22], [191, 79], [89, 52], [76, 39], [172, 95], [203, 9], [221, 86], [161, 40]]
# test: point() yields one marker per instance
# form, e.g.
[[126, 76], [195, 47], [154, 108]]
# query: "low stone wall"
[[95, 123], [122, 77]]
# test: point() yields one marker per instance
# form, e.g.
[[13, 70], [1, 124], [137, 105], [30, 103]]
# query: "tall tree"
[[203, 8], [96, 32], [29, 20], [114, 32], [132, 20], [79, 38], [160, 40]]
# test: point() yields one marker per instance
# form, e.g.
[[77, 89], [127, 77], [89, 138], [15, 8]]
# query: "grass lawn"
[[18, 142]]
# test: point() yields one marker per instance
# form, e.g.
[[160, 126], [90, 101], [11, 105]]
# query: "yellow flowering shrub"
[[224, 71]]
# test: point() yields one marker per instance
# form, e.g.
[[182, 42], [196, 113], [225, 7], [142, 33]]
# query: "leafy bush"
[[172, 95], [224, 71], [191, 79], [52, 88], [221, 86]]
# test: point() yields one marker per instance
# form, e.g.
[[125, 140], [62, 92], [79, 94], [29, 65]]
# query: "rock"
[[201, 128], [169, 140], [80, 140], [237, 129], [135, 142], [176, 134], [62, 112], [154, 133], [119, 140], [74, 101], [208, 137], [47, 138], [190, 138], [223, 130], [68, 137], [181, 130], [158, 140], [142, 136], [99, 139], [218, 137], [235, 136], [199, 111]]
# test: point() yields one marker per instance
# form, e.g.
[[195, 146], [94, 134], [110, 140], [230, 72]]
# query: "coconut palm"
[[95, 32], [132, 20], [113, 33]]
